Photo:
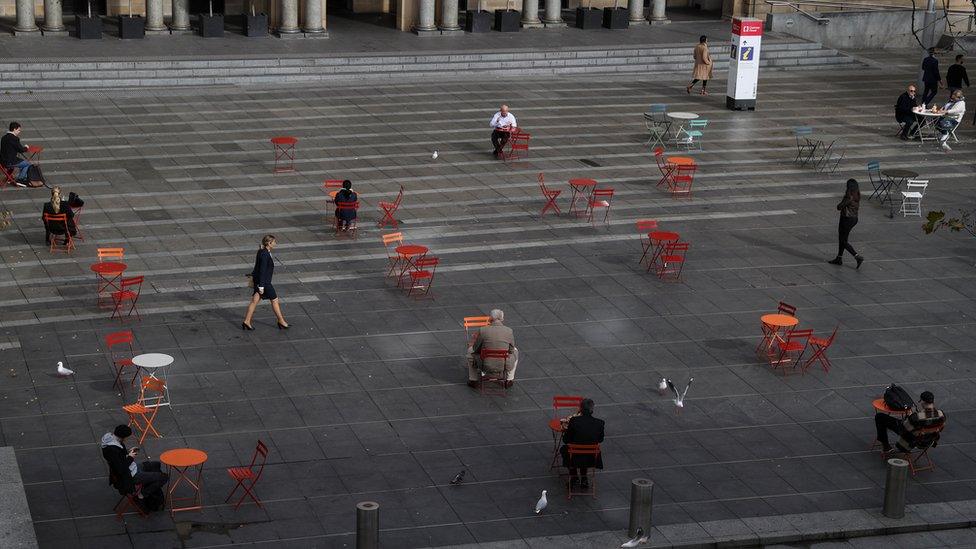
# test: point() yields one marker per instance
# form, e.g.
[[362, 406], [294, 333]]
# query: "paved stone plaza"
[[364, 398]]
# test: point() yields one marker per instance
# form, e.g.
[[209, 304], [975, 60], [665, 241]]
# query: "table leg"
[[181, 475], [572, 200]]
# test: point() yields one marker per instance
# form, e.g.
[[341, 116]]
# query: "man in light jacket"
[[953, 111], [494, 337]]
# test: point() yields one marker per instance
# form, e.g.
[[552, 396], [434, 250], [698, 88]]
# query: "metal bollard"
[[641, 500], [367, 525], [896, 486]]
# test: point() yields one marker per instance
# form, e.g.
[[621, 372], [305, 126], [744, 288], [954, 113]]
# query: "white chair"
[[911, 197]]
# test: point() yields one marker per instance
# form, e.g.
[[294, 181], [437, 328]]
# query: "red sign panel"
[[747, 28]]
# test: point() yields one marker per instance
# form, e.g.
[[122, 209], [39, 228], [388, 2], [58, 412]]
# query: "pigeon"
[[458, 478], [64, 372], [434, 156], [637, 540], [541, 504], [679, 398], [662, 386]]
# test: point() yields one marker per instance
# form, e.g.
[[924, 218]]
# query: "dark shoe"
[[859, 260], [509, 383], [473, 384], [688, 89], [245, 326], [283, 326], [903, 137], [836, 261]]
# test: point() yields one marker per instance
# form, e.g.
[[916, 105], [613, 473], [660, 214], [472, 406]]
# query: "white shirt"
[[955, 109], [499, 121]]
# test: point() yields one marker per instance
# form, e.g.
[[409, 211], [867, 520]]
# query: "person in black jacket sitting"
[[346, 216], [582, 428], [125, 473], [54, 207], [10, 147], [904, 111]]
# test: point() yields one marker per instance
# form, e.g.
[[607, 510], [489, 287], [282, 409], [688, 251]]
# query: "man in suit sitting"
[[494, 337], [582, 428]]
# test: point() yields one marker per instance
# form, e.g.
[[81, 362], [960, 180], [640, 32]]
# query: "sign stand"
[[744, 65]]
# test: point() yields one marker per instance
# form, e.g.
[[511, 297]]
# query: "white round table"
[[153, 363], [681, 118]]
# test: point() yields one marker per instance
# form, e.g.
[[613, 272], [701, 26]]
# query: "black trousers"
[[695, 81], [884, 423], [499, 139], [909, 123], [151, 477], [843, 233], [931, 90]]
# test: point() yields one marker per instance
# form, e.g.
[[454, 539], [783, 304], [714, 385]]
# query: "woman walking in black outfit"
[[848, 218], [261, 279]]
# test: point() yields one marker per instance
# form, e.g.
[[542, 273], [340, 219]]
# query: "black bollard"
[[367, 525], [896, 487], [641, 500]]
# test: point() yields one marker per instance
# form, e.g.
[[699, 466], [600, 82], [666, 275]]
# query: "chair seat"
[[790, 346], [912, 194], [819, 342], [556, 425], [599, 203], [672, 258], [420, 274], [386, 204], [135, 408], [122, 362], [553, 194], [694, 133], [240, 473], [124, 294]]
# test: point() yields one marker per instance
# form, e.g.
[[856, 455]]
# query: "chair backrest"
[[801, 131], [662, 164], [676, 248], [542, 182], [799, 334], [698, 124], [494, 353], [330, 184], [260, 452], [118, 338], [657, 108], [520, 141], [565, 401], [602, 194], [154, 385], [392, 238], [136, 281], [646, 225], [830, 340], [56, 218], [874, 168], [785, 308], [427, 263], [475, 322], [917, 185], [110, 253], [686, 170], [583, 449]]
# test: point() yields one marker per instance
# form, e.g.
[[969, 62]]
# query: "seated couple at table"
[[55, 206], [494, 337], [125, 474], [908, 428], [502, 124], [952, 112]]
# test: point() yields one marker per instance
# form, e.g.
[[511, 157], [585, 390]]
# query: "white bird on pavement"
[[64, 372], [679, 398], [541, 504], [434, 156], [662, 386], [637, 540]]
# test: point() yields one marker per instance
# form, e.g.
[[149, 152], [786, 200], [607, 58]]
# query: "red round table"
[[776, 323], [35, 154], [680, 160], [103, 270], [408, 254], [180, 461], [660, 239], [284, 153], [582, 188]]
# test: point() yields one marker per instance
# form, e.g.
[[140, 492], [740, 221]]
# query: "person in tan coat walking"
[[703, 66]]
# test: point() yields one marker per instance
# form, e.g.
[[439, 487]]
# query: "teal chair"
[[694, 133]]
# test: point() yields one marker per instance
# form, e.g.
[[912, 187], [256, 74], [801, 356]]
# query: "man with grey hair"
[[494, 337], [502, 124]]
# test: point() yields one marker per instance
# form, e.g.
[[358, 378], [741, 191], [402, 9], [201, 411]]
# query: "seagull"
[[64, 372], [679, 398], [458, 478], [662, 386], [434, 156], [638, 539], [541, 504]]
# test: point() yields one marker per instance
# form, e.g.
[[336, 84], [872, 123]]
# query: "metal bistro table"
[[155, 364], [925, 124], [896, 177], [680, 118]]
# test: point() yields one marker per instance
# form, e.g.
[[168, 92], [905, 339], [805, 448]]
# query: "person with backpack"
[[907, 428], [125, 473]]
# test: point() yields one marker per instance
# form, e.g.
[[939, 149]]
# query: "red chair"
[[518, 145], [926, 438], [672, 260], [791, 348], [389, 209], [422, 276], [346, 207], [126, 501], [284, 153], [331, 187], [820, 347], [7, 177], [770, 331], [62, 220], [391, 241], [644, 227], [142, 412], [557, 424], [119, 346], [493, 384], [663, 165], [681, 180], [550, 195], [129, 290], [600, 198], [575, 450], [248, 475]]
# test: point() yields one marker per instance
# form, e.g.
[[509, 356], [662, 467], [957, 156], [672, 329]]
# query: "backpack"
[[897, 398], [75, 201], [34, 176], [153, 501]]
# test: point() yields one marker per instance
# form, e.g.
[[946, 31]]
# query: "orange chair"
[[558, 422], [926, 438], [672, 260], [389, 211], [116, 254], [331, 187], [391, 241], [119, 345], [127, 500], [644, 227], [489, 383], [422, 276], [249, 475], [770, 331], [791, 348], [518, 145], [820, 347], [550, 195], [600, 198], [682, 179], [345, 207], [474, 322], [142, 412], [129, 290], [663, 166], [62, 220], [577, 450]]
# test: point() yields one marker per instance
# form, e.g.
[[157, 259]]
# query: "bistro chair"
[[911, 197], [389, 211], [68, 244], [247, 477], [820, 346], [142, 413], [550, 195], [790, 349], [129, 291], [557, 424], [769, 332]]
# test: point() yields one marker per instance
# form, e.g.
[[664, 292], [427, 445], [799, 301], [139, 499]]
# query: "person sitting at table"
[[345, 217], [54, 207], [904, 111], [10, 148], [502, 124], [907, 428], [953, 111], [494, 337], [125, 473], [582, 428]]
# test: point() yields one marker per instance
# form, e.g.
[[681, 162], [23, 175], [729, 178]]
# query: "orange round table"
[[680, 160], [880, 406], [408, 253], [180, 461], [776, 323], [35, 154], [582, 187]]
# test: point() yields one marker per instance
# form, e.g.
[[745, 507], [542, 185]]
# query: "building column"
[[53, 19], [636, 12], [425, 19], [288, 24], [530, 14], [154, 16], [181, 16], [313, 17], [658, 15], [554, 16], [25, 17], [449, 17]]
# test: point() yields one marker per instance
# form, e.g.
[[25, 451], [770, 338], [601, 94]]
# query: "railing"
[[956, 18], [796, 7]]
